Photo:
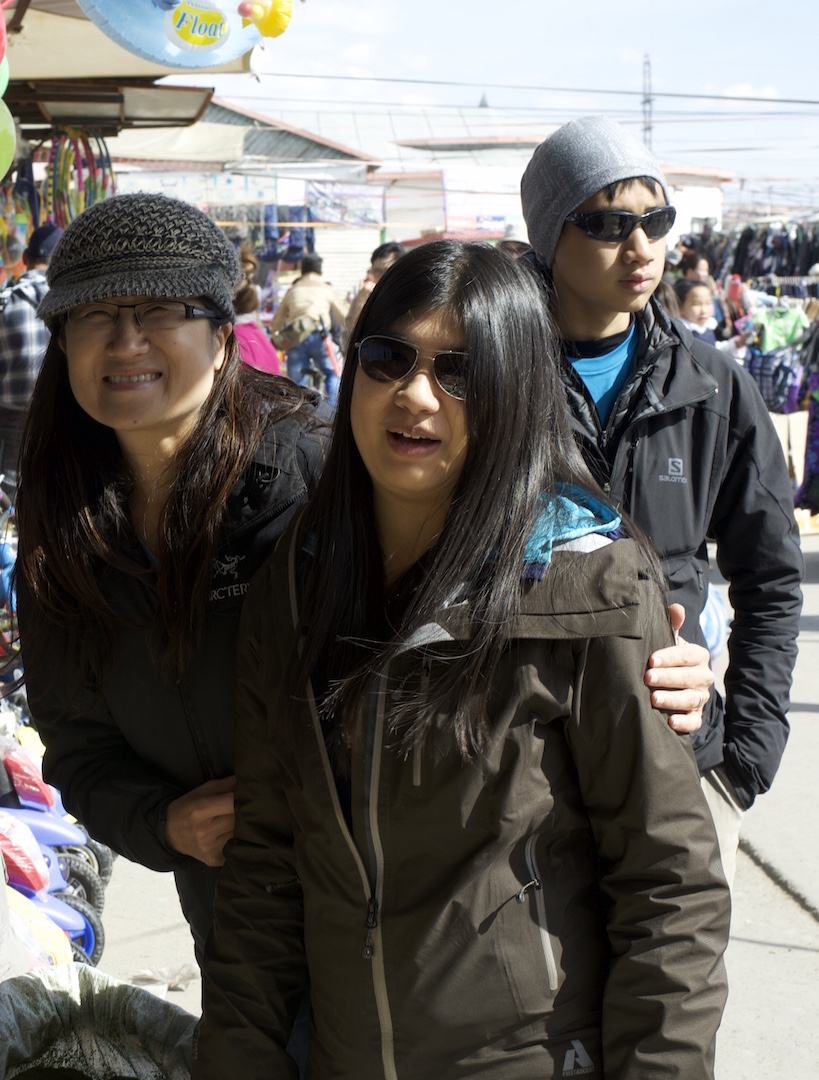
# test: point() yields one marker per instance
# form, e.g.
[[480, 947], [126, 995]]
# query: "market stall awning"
[[213, 145], [65, 73], [53, 39], [102, 106]]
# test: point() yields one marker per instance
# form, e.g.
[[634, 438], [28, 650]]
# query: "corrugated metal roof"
[[278, 141], [413, 138]]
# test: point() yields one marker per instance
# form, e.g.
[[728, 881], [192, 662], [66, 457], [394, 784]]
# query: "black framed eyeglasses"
[[149, 315], [614, 226], [388, 359]]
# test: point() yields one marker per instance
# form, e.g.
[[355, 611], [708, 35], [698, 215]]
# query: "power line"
[[538, 89], [306, 105]]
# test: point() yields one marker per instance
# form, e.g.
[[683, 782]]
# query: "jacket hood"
[[569, 516]]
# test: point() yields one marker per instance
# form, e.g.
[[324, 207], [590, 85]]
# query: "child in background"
[[255, 347], [696, 304]]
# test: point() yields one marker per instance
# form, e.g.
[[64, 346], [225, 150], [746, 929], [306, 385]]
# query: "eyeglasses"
[[614, 226], [388, 359], [150, 315]]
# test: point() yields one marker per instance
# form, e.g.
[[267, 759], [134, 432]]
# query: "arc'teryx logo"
[[577, 1062], [222, 568], [675, 473], [230, 565]]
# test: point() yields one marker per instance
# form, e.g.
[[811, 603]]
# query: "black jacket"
[[691, 453], [123, 755]]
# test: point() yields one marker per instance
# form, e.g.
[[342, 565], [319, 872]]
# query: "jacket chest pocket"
[[667, 481]]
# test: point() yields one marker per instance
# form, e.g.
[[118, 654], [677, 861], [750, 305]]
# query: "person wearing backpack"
[[23, 341], [302, 324]]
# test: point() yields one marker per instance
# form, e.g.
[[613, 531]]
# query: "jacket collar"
[[671, 375]]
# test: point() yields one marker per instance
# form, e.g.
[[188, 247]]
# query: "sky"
[[547, 62]]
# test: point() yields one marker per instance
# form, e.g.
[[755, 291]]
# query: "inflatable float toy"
[[271, 18], [189, 33]]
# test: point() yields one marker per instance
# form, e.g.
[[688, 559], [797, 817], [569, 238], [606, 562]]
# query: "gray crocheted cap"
[[141, 245], [574, 163]]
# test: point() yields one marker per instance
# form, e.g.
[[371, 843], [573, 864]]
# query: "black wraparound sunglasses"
[[614, 226], [388, 359]]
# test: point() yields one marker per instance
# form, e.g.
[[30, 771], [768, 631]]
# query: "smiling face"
[[599, 285], [412, 437], [148, 387], [698, 306]]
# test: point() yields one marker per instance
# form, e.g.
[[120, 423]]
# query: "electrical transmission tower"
[[647, 101]]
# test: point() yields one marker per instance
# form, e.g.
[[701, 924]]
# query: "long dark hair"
[[519, 446], [72, 511]]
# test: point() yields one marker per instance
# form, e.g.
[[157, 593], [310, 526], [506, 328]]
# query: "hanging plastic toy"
[[76, 177], [188, 33], [272, 17]]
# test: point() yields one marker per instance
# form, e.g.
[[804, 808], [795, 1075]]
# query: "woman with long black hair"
[[157, 472], [457, 813]]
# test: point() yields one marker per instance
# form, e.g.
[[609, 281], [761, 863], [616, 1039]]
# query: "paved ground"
[[770, 1026]]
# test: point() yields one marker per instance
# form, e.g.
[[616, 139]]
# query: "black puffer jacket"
[[123, 755], [691, 453]]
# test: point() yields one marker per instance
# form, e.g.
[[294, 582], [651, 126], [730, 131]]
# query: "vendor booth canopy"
[[66, 72]]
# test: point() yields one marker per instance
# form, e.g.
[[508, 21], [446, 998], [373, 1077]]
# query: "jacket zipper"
[[372, 948], [372, 942], [536, 886], [260, 519]]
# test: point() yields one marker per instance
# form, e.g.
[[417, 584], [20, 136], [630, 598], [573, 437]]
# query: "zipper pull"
[[533, 884], [372, 923]]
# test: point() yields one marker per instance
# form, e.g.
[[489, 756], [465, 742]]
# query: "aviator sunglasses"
[[614, 226], [388, 359]]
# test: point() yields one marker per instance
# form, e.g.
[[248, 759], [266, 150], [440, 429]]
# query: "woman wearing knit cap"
[[157, 472], [677, 433]]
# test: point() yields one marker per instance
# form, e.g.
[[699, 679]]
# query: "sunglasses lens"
[[606, 225], [613, 226], [450, 373], [385, 359], [659, 222]]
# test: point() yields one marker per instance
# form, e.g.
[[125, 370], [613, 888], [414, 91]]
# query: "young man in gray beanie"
[[677, 433]]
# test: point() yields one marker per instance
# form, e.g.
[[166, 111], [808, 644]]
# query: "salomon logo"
[[674, 475], [577, 1062]]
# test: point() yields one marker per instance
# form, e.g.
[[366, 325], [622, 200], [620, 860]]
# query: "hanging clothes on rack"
[[780, 326]]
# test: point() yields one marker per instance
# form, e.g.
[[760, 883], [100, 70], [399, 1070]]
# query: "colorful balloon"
[[8, 139], [4, 75]]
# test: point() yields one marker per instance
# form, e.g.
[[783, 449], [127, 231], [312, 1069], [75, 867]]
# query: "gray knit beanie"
[[141, 245], [574, 163]]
